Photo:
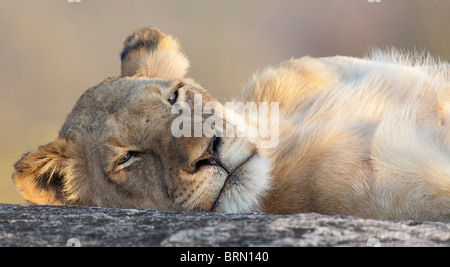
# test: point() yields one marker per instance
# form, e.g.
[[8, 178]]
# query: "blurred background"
[[51, 51]]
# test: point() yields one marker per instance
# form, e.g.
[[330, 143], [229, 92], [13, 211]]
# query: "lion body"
[[361, 137]]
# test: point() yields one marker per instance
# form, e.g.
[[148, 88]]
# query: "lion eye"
[[173, 98], [129, 155], [124, 159]]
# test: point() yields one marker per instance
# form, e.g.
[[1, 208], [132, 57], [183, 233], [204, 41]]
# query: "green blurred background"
[[51, 51]]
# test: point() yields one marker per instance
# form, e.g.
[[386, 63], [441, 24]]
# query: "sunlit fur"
[[364, 137]]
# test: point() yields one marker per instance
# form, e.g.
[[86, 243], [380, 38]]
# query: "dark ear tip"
[[148, 52], [147, 38]]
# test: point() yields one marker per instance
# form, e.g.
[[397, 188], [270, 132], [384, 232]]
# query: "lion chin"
[[244, 187], [365, 137]]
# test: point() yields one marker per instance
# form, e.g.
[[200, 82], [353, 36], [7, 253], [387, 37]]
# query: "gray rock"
[[23, 225]]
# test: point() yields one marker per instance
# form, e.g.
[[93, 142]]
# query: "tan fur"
[[362, 137]]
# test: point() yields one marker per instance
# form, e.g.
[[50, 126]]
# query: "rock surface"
[[22, 225]]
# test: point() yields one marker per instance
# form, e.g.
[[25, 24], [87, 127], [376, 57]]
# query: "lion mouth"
[[210, 158]]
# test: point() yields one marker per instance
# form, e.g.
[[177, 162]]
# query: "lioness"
[[363, 137]]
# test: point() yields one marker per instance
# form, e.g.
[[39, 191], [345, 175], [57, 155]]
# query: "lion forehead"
[[111, 98]]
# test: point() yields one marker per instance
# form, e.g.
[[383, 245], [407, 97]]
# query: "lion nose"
[[209, 157], [210, 154], [216, 142]]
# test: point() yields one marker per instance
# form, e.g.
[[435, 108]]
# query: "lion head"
[[116, 147]]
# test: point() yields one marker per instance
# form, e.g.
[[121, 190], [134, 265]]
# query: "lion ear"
[[40, 175], [148, 52]]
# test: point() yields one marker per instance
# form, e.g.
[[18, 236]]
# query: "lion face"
[[117, 149], [146, 166]]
